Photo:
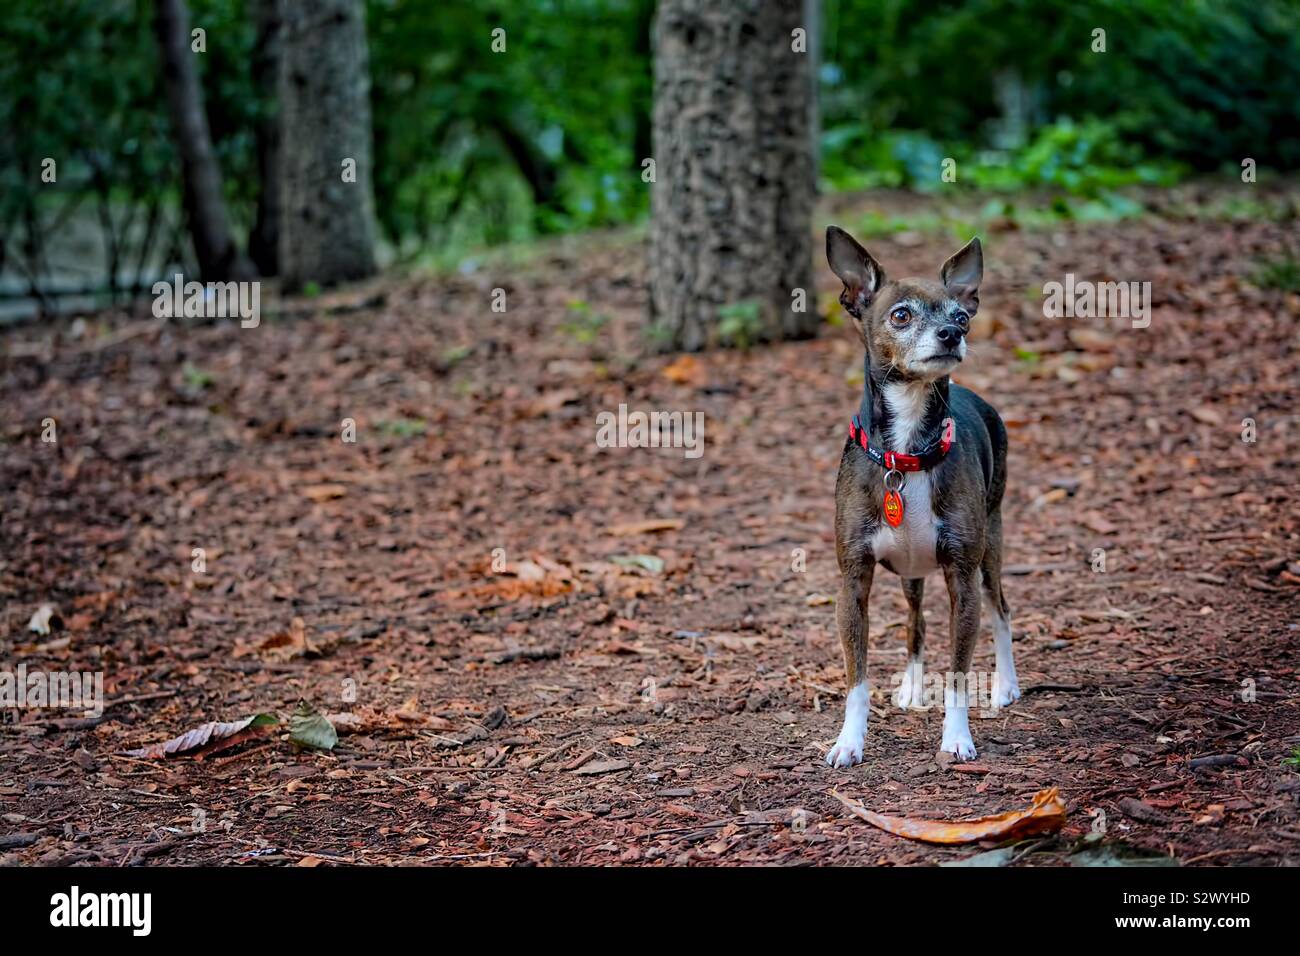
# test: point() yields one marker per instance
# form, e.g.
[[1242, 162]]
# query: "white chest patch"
[[910, 548]]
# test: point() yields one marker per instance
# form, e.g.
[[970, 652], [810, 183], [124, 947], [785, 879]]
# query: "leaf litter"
[[464, 696]]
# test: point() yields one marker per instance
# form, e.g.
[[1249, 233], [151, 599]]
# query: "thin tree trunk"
[[327, 222], [731, 207], [263, 242], [205, 204]]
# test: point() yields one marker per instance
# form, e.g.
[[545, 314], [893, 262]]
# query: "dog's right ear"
[[861, 274]]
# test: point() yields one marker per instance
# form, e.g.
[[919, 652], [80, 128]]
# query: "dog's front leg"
[[964, 623], [851, 616]]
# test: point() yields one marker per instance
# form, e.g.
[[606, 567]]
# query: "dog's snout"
[[950, 335]]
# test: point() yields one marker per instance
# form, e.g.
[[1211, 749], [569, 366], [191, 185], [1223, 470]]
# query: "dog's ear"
[[962, 273], [861, 274]]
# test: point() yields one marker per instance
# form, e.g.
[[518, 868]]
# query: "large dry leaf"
[[199, 737], [1045, 815]]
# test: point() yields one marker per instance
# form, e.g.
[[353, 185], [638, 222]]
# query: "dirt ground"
[[599, 693]]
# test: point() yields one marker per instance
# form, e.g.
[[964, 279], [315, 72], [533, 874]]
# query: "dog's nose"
[[950, 335]]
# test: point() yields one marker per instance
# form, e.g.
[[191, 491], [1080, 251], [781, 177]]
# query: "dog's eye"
[[900, 316], [961, 318]]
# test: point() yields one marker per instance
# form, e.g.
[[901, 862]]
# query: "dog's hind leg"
[[851, 616], [1006, 688], [910, 692]]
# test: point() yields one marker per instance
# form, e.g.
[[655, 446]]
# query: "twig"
[[542, 758]]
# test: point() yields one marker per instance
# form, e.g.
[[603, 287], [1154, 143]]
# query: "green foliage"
[[454, 356], [309, 728], [404, 427], [1198, 81], [1282, 273], [583, 324], [195, 379], [1083, 159], [476, 147], [741, 324]]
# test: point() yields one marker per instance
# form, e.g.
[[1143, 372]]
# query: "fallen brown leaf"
[[645, 527], [1045, 815], [319, 493], [202, 736]]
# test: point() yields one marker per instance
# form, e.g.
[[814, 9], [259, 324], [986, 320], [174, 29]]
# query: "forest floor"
[[648, 670]]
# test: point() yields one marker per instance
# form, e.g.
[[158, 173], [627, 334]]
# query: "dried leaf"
[[647, 561], [550, 402], [687, 370], [645, 527], [1045, 815], [602, 766], [41, 620], [209, 733], [527, 571], [319, 493]]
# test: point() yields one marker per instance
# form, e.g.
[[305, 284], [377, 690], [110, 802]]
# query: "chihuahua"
[[920, 484]]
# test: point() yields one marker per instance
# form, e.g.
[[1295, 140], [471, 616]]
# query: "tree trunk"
[[326, 221], [263, 242], [731, 207], [205, 204]]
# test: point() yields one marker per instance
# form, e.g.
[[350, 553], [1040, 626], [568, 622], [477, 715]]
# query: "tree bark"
[[732, 204], [327, 223], [263, 242], [205, 204]]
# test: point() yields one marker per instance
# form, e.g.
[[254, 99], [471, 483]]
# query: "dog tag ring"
[[893, 506]]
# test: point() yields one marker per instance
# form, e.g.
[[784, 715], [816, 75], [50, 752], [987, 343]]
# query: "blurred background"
[[478, 146]]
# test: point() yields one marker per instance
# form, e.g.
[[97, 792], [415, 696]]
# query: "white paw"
[[910, 694], [1005, 691], [857, 711], [846, 752], [911, 689], [956, 735], [959, 745]]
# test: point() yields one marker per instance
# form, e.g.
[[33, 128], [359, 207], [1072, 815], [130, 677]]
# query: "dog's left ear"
[[962, 273], [856, 268]]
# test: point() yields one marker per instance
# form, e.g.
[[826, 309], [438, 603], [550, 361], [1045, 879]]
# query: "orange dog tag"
[[893, 508]]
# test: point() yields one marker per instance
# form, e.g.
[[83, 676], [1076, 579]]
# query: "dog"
[[920, 484]]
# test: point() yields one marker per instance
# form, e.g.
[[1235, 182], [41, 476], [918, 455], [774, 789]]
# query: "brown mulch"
[[562, 700]]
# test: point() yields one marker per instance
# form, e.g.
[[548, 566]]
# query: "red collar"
[[923, 460]]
